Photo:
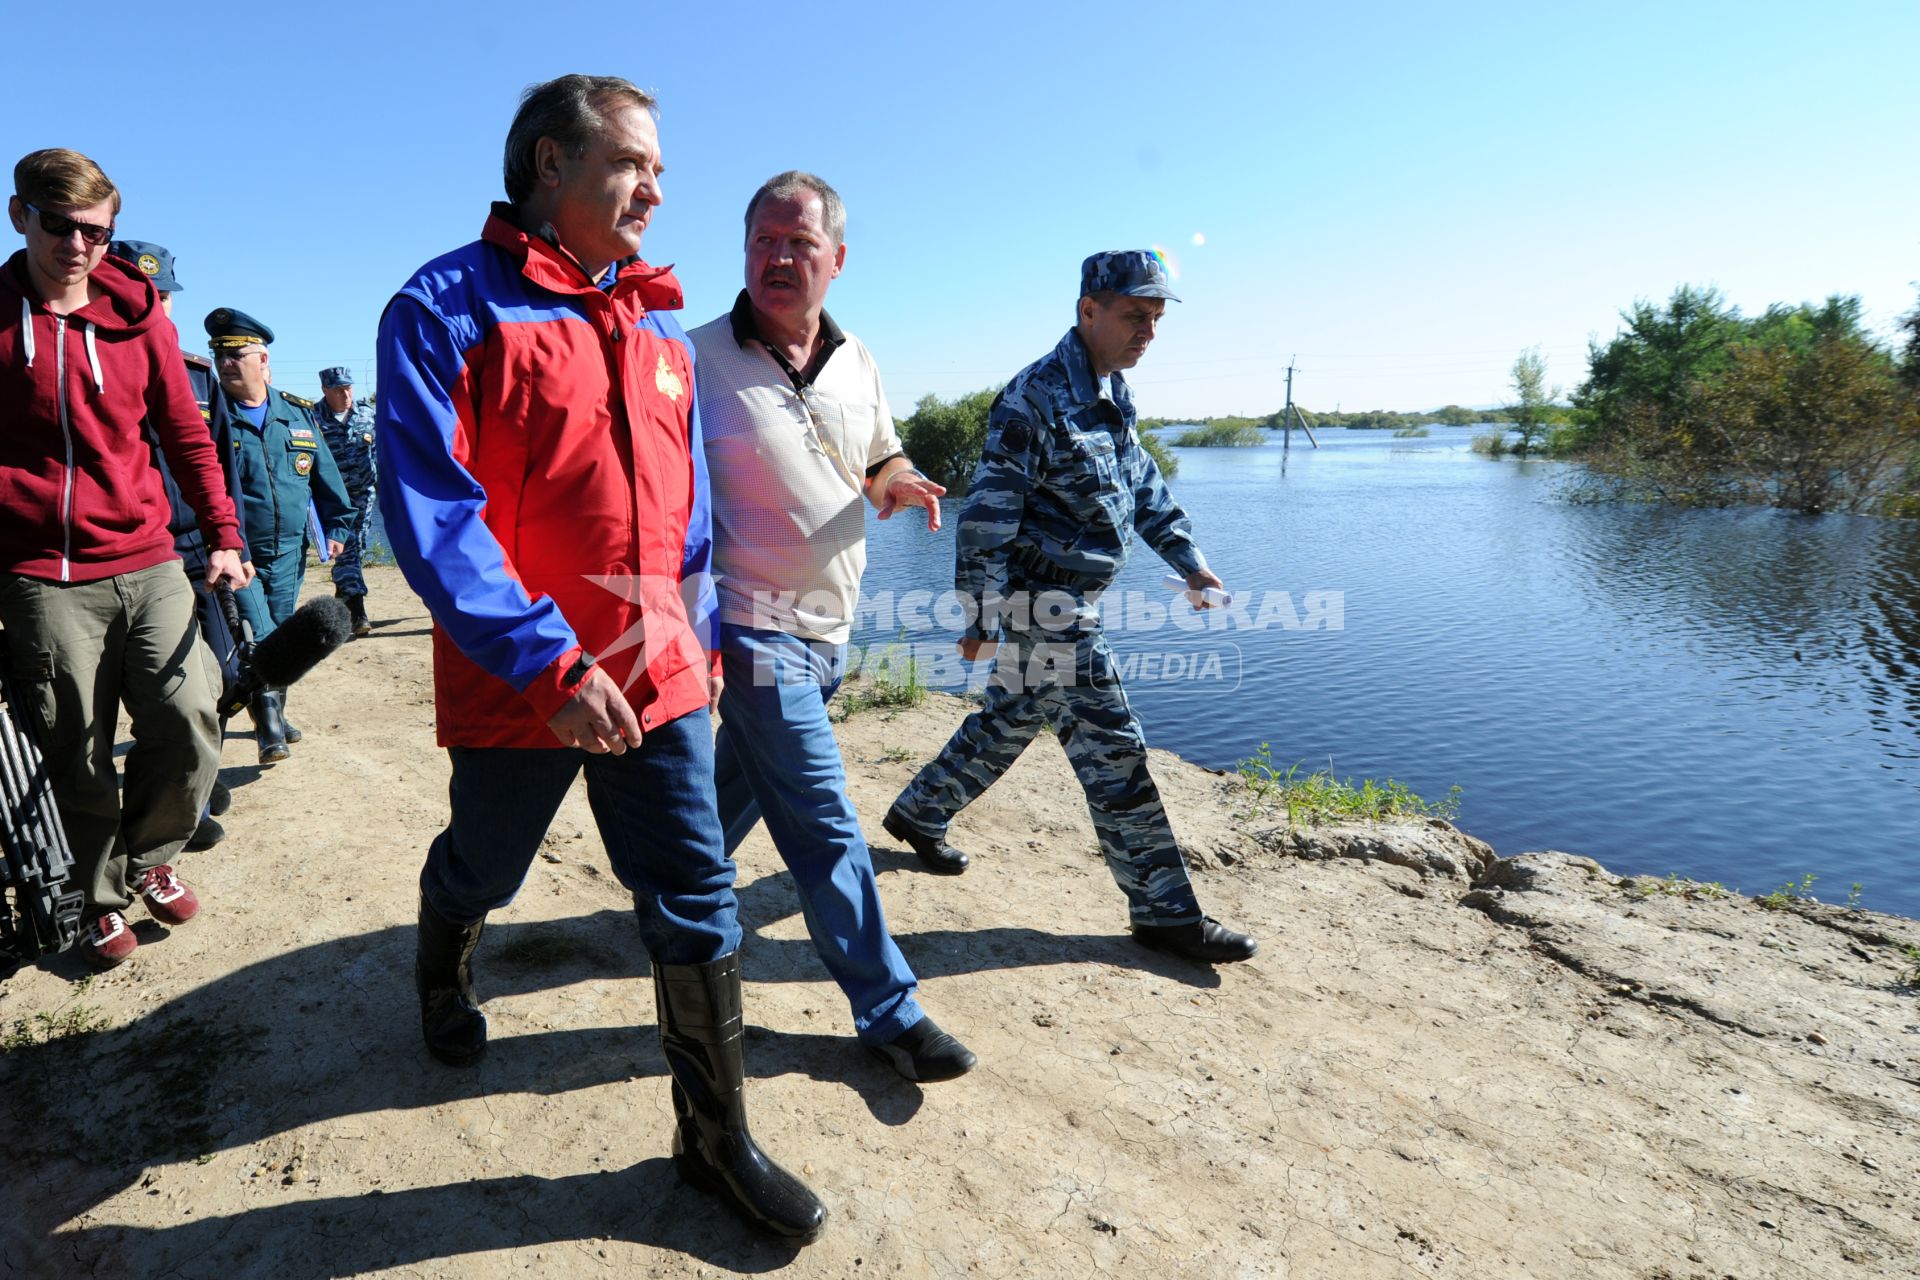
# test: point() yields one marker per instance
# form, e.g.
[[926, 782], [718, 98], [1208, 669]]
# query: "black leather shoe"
[[1205, 940], [357, 614], [208, 834], [926, 1054], [221, 800], [940, 857]]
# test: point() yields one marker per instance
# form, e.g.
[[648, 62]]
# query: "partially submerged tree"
[[1799, 408], [1528, 412], [944, 438]]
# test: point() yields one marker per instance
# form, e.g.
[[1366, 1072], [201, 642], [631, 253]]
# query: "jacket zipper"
[[66, 433]]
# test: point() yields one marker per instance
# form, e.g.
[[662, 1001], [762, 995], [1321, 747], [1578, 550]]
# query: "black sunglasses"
[[61, 227]]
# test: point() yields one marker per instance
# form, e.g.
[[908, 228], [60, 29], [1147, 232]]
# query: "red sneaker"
[[108, 941], [167, 896]]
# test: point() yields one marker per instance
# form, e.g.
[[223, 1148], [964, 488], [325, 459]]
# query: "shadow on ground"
[[257, 1053]]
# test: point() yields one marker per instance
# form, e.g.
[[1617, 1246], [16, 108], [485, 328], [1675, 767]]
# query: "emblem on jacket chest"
[[668, 381]]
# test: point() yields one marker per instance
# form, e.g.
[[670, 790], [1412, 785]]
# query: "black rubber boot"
[[293, 732], [357, 613], [450, 1017], [699, 1011], [269, 727]]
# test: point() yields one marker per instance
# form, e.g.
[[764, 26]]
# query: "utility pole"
[[1286, 414], [1291, 413]]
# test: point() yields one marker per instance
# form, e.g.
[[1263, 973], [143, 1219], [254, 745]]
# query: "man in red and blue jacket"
[[544, 491]]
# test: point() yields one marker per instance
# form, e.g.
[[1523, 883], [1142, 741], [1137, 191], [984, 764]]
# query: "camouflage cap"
[[153, 260], [338, 376], [1134, 272]]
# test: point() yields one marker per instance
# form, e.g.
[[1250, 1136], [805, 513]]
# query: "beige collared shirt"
[[788, 476]]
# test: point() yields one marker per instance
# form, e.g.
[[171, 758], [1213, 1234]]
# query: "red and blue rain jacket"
[[544, 485]]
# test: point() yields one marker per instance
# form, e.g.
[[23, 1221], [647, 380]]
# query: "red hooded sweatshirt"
[[80, 498]]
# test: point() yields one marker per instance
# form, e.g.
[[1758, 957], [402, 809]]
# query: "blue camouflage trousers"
[[347, 578], [1070, 683]]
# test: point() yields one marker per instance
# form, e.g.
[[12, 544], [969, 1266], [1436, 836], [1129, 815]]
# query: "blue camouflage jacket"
[[351, 442], [1062, 484]]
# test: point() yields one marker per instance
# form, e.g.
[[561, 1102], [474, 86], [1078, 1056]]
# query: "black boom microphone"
[[296, 647]]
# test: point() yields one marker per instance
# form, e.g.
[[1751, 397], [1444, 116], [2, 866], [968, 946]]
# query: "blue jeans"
[[776, 758], [654, 808]]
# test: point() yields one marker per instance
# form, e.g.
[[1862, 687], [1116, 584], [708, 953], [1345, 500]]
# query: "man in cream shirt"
[[798, 433]]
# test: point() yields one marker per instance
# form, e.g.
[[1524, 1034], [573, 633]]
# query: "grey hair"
[[568, 110], [785, 186]]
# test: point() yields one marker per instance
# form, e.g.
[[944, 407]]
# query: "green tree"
[[944, 438], [1644, 383], [1910, 361], [1799, 408], [1532, 400], [1815, 420], [1456, 416], [1169, 465]]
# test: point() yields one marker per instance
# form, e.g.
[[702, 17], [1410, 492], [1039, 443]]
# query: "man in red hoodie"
[[94, 605]]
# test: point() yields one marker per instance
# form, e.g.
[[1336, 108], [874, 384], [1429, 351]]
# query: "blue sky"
[[1405, 195]]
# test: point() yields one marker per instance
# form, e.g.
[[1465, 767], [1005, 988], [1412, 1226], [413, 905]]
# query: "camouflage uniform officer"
[[347, 424], [284, 465], [1062, 484]]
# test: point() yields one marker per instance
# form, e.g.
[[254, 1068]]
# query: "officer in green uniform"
[[284, 465]]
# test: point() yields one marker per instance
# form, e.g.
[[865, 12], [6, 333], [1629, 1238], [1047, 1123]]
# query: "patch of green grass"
[[149, 1091], [1416, 432], [1320, 797], [1910, 976], [1222, 435], [1788, 894], [541, 947], [896, 755], [1675, 886], [45, 1028], [888, 679]]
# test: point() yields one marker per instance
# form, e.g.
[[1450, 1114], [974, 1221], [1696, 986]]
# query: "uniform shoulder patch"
[[196, 360], [1015, 435], [296, 400]]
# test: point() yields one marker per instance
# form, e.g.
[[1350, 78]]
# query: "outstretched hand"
[[911, 489]]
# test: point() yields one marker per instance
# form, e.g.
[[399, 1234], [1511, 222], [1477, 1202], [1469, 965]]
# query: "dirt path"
[[1550, 1075]]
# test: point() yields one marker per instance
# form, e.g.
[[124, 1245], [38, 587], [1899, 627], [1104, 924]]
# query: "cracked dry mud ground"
[[1545, 1075]]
